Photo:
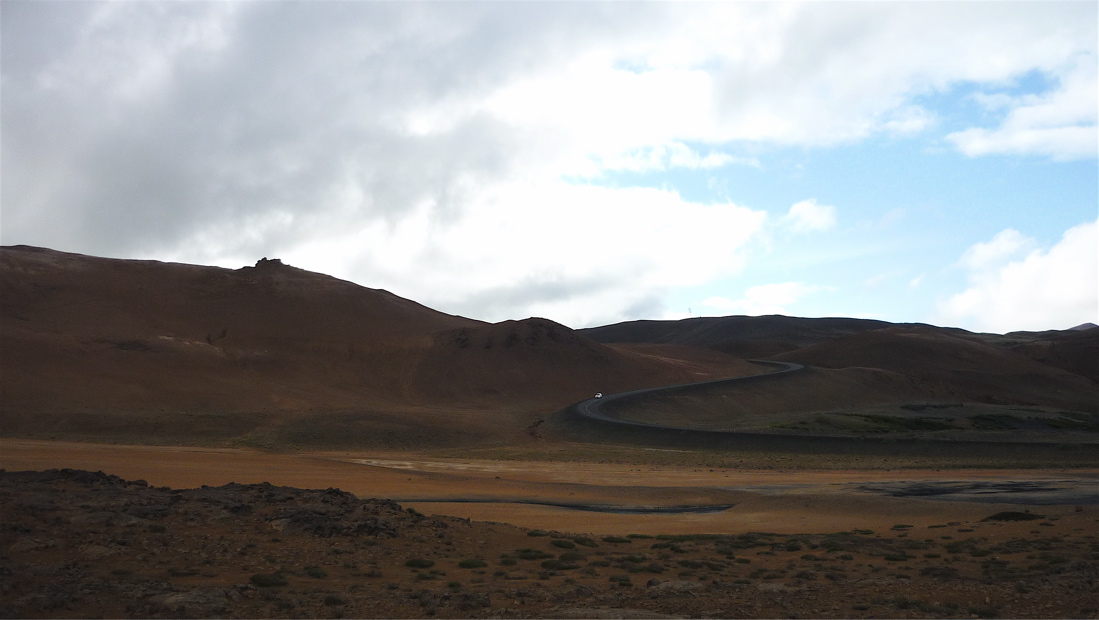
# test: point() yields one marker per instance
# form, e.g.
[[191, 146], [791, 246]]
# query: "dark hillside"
[[742, 336], [964, 367], [538, 358], [1075, 350], [163, 352]]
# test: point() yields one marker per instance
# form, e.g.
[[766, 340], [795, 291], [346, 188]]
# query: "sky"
[[586, 162]]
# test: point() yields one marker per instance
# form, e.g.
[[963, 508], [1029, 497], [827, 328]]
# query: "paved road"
[[593, 407], [587, 421]]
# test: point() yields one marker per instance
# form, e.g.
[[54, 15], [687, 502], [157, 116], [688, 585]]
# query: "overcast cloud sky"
[[586, 162]]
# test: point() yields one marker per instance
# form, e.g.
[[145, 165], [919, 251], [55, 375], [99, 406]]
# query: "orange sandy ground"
[[793, 502]]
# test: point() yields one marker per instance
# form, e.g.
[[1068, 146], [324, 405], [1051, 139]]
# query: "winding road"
[[587, 421], [593, 407]]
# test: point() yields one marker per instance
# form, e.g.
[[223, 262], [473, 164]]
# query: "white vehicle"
[[599, 394]]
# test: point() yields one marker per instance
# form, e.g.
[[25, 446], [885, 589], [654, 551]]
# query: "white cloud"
[[808, 216], [430, 148], [984, 256], [1056, 288], [877, 281], [667, 156], [765, 299], [581, 254], [1061, 124]]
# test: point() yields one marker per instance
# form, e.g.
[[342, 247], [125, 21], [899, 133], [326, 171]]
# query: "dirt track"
[[776, 501]]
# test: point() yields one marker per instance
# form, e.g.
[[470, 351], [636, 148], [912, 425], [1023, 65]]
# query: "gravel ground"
[[80, 544]]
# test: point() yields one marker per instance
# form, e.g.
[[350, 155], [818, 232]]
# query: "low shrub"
[[621, 580], [267, 581], [1011, 515], [558, 565], [316, 572]]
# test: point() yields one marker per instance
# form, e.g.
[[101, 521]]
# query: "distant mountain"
[[742, 336], [1060, 368], [964, 366], [1075, 350]]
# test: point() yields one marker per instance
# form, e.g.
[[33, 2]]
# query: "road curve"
[[593, 407], [586, 421]]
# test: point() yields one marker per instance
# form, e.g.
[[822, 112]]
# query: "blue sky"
[[588, 162], [906, 212]]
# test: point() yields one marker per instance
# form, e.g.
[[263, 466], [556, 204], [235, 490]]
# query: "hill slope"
[[874, 377], [96, 346], [959, 367], [742, 336]]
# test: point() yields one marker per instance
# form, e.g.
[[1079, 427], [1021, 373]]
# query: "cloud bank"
[[457, 152], [1015, 288]]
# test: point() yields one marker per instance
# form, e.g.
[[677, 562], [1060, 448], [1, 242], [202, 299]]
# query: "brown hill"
[[174, 352], [957, 366], [84, 332], [742, 336], [1075, 350], [539, 359]]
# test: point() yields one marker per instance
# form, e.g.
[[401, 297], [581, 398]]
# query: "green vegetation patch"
[[996, 421], [1011, 515], [1074, 421], [419, 563], [558, 565], [264, 580], [923, 406], [532, 554], [906, 423], [472, 563], [316, 572]]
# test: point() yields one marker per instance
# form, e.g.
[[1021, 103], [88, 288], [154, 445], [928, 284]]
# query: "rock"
[[195, 603], [107, 518], [32, 544], [473, 600]]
